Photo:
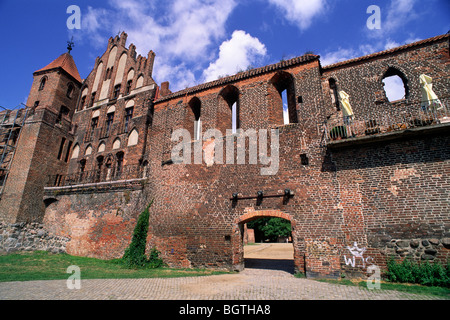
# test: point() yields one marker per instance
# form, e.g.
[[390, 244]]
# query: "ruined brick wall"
[[362, 78], [394, 193], [384, 196], [194, 221], [98, 221]]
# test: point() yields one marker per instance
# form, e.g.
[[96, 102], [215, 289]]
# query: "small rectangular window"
[[61, 147], [116, 91], [66, 158], [128, 116]]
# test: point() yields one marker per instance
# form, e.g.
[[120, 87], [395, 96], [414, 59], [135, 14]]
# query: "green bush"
[[134, 256], [419, 273]]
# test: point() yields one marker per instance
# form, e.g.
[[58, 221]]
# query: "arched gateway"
[[238, 232]]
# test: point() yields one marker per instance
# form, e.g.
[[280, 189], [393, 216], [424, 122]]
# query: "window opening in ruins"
[[69, 146], [285, 103], [395, 85], [234, 117], [69, 92], [61, 147], [42, 84], [231, 95], [334, 93], [195, 108], [285, 107]]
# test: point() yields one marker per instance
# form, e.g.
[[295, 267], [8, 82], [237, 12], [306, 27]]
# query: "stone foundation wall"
[[419, 249], [29, 237]]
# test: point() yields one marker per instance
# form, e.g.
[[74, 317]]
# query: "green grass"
[[41, 265], [407, 288]]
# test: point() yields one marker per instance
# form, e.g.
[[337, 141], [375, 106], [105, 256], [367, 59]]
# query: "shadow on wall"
[[427, 149]]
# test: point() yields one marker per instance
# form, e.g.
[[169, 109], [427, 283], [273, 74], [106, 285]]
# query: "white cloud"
[[236, 54], [196, 24], [395, 18], [300, 12], [178, 31], [400, 12], [391, 44], [343, 54], [339, 55]]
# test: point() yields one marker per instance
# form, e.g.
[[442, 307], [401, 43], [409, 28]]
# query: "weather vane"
[[70, 45]]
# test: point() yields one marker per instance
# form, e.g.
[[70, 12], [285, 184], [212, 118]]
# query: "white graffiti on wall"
[[373, 280], [357, 253]]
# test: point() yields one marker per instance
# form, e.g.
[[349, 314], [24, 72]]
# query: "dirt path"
[[269, 251]]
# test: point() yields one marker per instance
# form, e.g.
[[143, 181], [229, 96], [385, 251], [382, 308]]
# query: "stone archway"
[[237, 239]]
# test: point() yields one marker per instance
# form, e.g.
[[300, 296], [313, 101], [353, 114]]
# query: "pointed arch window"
[[42, 84], [230, 95], [194, 117], [282, 92], [70, 89]]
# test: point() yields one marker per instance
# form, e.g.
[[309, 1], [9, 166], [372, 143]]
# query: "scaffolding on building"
[[11, 124]]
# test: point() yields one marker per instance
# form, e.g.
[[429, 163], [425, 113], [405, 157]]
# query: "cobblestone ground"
[[251, 284], [256, 282]]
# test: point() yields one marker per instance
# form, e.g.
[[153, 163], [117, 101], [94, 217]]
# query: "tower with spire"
[[45, 140]]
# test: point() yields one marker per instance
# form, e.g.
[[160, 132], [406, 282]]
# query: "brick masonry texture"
[[389, 197]]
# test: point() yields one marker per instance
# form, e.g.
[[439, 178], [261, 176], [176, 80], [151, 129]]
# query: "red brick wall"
[[375, 195]]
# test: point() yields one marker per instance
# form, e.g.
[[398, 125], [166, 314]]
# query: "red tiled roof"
[[242, 75], [66, 62]]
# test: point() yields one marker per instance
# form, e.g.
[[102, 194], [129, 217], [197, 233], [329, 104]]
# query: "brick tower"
[[45, 140]]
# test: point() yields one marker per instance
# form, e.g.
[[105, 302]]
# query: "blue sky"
[[199, 40]]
